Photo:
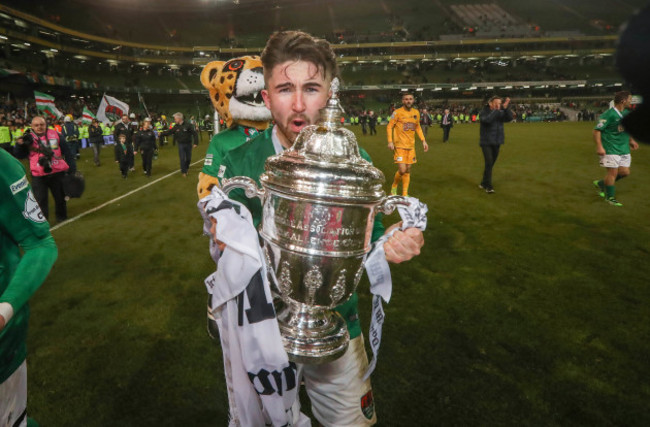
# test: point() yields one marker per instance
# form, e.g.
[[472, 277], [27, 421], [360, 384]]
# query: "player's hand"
[[391, 146], [601, 151], [213, 232], [403, 245], [194, 146], [2, 322], [506, 103], [425, 146], [633, 145]]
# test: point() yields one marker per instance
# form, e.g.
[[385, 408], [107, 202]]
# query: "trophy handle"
[[388, 204], [245, 183]]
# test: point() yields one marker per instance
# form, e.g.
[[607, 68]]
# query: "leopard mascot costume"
[[234, 87]]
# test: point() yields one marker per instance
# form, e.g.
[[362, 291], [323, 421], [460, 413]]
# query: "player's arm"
[[33, 268], [599, 144], [35, 240], [418, 130], [603, 123], [389, 131]]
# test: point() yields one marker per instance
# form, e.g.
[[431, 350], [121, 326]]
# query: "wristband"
[[6, 311]]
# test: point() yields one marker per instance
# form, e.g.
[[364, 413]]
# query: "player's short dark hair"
[[493, 97], [407, 93], [285, 46], [621, 96]]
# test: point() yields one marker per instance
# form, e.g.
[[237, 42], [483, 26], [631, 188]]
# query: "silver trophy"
[[319, 198]]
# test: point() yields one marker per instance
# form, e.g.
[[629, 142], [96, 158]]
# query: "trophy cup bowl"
[[319, 199]]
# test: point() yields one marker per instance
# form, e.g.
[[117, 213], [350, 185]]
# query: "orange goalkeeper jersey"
[[405, 123]]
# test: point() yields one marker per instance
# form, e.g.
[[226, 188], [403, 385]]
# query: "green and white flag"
[[87, 116], [45, 103]]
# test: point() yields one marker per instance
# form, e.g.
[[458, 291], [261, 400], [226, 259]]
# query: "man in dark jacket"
[[145, 143], [446, 124], [493, 115], [185, 137], [95, 139], [70, 131]]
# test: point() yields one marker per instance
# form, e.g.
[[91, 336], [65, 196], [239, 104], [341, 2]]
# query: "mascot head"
[[235, 87]]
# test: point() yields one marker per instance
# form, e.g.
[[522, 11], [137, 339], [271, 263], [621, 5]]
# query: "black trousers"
[[147, 158], [124, 167], [54, 183], [445, 132], [490, 154], [185, 156], [131, 157]]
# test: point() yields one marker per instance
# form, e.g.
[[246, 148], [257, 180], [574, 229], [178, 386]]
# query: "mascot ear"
[[208, 73]]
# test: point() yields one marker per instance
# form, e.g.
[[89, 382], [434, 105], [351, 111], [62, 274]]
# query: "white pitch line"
[[81, 215]]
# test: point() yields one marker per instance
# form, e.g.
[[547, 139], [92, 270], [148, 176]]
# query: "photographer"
[[46, 163]]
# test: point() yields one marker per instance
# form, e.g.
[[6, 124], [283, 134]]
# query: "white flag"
[[111, 109]]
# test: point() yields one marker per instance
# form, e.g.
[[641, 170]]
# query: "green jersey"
[[223, 142], [248, 160], [22, 226], [612, 135]]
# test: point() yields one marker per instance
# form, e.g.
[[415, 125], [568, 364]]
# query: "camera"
[[45, 161]]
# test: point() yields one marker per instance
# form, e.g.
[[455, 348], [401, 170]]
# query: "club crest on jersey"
[[368, 405], [222, 171], [32, 211], [19, 185]]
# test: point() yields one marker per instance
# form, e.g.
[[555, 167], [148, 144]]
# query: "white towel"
[[381, 285], [262, 383]]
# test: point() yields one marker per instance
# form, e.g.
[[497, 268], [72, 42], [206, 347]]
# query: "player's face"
[[628, 102], [295, 92], [407, 101]]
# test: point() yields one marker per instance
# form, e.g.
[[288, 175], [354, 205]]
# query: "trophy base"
[[311, 335]]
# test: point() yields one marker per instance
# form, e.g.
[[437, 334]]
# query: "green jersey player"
[[22, 226], [298, 70], [613, 146]]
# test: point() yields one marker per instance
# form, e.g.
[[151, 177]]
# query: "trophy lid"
[[325, 162]]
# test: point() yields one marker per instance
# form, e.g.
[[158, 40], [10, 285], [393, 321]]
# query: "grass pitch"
[[526, 307]]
